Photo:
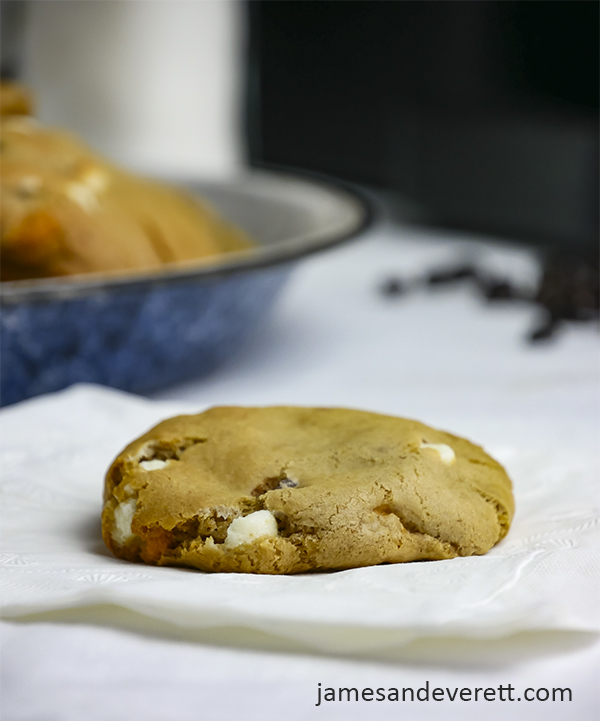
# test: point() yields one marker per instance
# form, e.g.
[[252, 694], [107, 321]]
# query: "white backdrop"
[[155, 84]]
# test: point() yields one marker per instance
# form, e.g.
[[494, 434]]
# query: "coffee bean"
[[569, 290], [392, 287], [545, 331], [452, 275], [499, 290]]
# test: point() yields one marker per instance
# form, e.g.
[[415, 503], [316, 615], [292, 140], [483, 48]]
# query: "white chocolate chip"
[[123, 516], [128, 490], [446, 452], [248, 528], [83, 195], [96, 179], [30, 184], [154, 465]]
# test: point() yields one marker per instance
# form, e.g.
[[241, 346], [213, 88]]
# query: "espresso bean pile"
[[568, 291]]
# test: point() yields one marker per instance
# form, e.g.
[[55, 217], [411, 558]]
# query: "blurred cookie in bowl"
[[66, 210]]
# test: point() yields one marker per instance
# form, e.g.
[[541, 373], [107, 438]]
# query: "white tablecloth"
[[444, 357]]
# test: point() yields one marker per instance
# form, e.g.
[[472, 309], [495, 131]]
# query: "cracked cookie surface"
[[287, 490]]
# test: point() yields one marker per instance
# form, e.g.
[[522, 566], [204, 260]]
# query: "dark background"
[[482, 114]]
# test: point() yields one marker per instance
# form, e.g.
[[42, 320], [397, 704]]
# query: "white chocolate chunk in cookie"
[[153, 465], [83, 195], [96, 179], [123, 515], [446, 452], [30, 184], [248, 528]]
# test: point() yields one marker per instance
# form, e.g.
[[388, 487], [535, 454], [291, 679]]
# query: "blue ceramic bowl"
[[145, 331]]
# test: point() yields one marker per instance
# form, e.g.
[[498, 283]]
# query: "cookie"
[[67, 211], [288, 490]]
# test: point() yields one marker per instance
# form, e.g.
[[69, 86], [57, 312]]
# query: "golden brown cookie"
[[286, 490]]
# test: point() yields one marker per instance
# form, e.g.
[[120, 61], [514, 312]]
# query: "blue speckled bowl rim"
[[65, 287]]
